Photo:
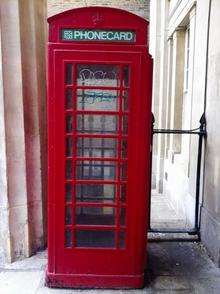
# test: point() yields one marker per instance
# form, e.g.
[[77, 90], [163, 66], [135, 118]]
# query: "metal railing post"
[[151, 159], [198, 171], [201, 132]]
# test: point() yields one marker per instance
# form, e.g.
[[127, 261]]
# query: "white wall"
[[180, 168], [210, 229]]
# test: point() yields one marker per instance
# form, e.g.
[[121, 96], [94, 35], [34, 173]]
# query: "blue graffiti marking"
[[93, 97]]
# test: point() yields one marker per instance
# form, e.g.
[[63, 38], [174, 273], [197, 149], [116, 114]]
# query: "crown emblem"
[[97, 19]]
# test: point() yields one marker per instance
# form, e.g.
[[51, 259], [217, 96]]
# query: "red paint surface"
[[99, 267]]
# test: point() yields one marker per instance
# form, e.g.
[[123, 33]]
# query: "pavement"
[[173, 267], [164, 216]]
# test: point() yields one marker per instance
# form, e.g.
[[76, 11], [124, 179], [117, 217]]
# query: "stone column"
[[155, 39], [5, 252], [162, 95], [33, 47], [15, 138], [188, 159], [192, 121], [23, 75], [169, 91], [177, 88]]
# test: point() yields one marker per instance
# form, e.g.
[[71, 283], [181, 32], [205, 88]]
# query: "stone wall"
[[210, 227], [176, 169], [22, 92], [139, 7]]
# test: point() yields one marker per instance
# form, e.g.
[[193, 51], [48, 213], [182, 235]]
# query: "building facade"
[[186, 50], [185, 45]]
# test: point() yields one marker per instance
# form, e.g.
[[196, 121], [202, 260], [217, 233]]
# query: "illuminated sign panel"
[[98, 35]]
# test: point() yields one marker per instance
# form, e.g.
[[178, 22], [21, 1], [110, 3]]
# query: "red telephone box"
[[99, 134]]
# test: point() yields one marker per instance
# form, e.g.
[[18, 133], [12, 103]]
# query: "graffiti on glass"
[[99, 77]]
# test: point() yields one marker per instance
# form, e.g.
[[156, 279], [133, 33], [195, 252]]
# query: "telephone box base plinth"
[[94, 281]]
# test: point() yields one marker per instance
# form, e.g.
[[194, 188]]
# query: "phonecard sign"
[[98, 35]]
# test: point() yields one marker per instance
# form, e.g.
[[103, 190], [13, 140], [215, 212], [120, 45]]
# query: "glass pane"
[[95, 147], [121, 239], [68, 192], [68, 169], [95, 193], [123, 193], [69, 146], [122, 216], [125, 100], [104, 239], [124, 147], [125, 124], [69, 99], [97, 100], [126, 76], [68, 217], [95, 216], [123, 172], [97, 124], [98, 75], [95, 170], [69, 74], [68, 238], [69, 124]]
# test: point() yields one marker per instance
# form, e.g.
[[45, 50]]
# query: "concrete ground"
[[163, 215], [173, 267]]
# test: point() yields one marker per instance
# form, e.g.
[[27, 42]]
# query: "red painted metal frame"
[[79, 267]]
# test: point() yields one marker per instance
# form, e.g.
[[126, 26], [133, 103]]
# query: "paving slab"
[[35, 262], [163, 215], [180, 258], [208, 285], [14, 282]]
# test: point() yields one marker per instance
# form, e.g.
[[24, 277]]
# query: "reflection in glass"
[[95, 170], [69, 74], [122, 239], [68, 215], [69, 124], [123, 193], [69, 101], [123, 172], [98, 75], [122, 216], [100, 124], [124, 146], [125, 124], [68, 238], [97, 100], [95, 216], [68, 169], [95, 193], [69, 146], [103, 239], [125, 100], [96, 147], [126, 76], [68, 192]]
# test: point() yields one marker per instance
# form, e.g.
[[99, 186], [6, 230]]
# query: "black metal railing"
[[201, 132]]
